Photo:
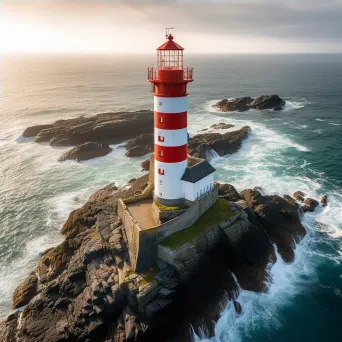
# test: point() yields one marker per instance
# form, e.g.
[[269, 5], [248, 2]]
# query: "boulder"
[[243, 104], [310, 205], [86, 151], [324, 200], [279, 216], [299, 196], [223, 144], [240, 104], [145, 165], [228, 192], [267, 102], [140, 146], [33, 131], [221, 125], [25, 291]]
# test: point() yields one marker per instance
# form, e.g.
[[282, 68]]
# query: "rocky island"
[[86, 290], [242, 104]]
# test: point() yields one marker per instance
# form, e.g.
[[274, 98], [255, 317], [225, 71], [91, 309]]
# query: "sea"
[[299, 148]]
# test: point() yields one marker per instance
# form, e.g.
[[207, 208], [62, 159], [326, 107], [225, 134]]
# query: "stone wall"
[[187, 257], [162, 216], [143, 244], [189, 217]]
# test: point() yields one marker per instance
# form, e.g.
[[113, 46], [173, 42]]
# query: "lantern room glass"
[[170, 60]]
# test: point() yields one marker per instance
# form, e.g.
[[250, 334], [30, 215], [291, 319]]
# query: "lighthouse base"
[[171, 202]]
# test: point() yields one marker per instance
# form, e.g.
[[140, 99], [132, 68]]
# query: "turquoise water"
[[296, 149]]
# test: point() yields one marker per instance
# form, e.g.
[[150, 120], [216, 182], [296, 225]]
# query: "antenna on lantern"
[[167, 31]]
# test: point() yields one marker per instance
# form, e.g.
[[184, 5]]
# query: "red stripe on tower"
[[170, 121]]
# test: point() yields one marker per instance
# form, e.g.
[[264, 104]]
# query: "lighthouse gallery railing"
[[187, 75]]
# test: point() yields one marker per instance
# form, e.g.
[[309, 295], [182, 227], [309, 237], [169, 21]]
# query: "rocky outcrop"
[[324, 200], [110, 128], [221, 125], [140, 146], [223, 144], [86, 151], [280, 218], [267, 102], [33, 131], [85, 290], [299, 196], [310, 205], [243, 104], [228, 192]]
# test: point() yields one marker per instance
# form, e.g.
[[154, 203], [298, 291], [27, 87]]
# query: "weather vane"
[[167, 31]]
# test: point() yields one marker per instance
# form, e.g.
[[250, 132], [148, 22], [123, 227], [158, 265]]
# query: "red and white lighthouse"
[[169, 84]]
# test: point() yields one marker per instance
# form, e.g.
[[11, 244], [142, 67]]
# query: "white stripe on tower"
[[170, 104], [170, 137]]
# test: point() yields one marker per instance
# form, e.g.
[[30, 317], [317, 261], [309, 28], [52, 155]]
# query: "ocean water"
[[296, 149]]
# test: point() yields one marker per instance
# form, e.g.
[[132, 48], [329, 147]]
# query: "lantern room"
[[170, 55], [170, 77]]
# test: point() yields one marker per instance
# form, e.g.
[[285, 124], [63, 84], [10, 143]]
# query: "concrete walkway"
[[142, 213]]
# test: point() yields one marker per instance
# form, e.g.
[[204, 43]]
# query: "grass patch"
[[149, 275], [163, 207], [218, 213]]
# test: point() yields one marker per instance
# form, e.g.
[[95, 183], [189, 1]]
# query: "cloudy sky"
[[223, 26]]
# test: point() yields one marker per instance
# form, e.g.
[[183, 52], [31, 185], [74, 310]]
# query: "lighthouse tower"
[[169, 85]]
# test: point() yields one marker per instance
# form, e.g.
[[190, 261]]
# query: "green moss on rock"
[[216, 214]]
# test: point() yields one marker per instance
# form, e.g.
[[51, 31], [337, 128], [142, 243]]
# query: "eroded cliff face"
[[85, 290]]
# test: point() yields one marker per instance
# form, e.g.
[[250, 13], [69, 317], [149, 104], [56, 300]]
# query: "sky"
[[127, 27]]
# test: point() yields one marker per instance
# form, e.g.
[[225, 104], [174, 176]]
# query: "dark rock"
[[243, 104], [299, 196], [279, 217], [34, 130], [145, 165], [221, 125], [132, 180], [60, 141], [140, 146], [240, 104], [228, 192], [223, 144], [8, 328], [267, 102], [237, 307], [86, 151], [310, 205], [324, 200], [25, 291], [110, 128]]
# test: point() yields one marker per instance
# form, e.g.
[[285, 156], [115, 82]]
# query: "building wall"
[[193, 191]]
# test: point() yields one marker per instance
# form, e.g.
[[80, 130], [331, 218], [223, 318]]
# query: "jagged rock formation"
[[223, 144], [243, 104], [110, 128], [85, 290], [140, 146], [86, 151]]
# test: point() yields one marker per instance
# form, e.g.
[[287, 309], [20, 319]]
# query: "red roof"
[[170, 45]]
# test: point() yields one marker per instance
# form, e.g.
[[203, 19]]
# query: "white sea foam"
[[334, 123], [260, 162], [319, 119]]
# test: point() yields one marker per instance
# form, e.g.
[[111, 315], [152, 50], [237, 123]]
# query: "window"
[[161, 154], [160, 103], [160, 138], [161, 194], [161, 172], [161, 182], [161, 119]]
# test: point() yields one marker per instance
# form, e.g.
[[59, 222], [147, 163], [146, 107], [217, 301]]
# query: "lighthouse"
[[174, 181]]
